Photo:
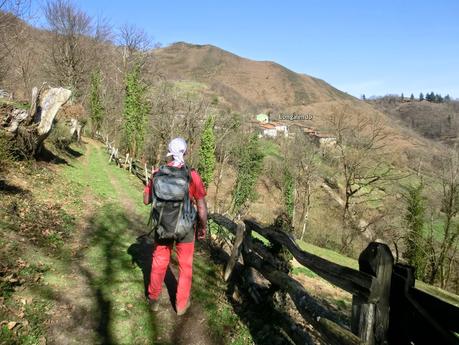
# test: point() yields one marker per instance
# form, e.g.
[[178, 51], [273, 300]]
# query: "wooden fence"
[[123, 160], [386, 307]]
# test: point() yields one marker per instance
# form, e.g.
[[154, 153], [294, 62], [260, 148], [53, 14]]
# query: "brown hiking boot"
[[183, 311], [154, 304]]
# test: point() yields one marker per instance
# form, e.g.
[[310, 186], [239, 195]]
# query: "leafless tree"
[[11, 11], [227, 130], [304, 160], [442, 253], [135, 44], [69, 52], [363, 168]]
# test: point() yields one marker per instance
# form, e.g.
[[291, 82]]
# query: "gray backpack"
[[173, 216]]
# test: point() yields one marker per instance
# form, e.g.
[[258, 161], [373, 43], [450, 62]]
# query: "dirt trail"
[[77, 315]]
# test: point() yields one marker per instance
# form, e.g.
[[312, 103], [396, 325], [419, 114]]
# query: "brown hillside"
[[437, 121], [263, 86], [246, 84]]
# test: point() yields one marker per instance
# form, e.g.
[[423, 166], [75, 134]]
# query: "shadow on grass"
[[47, 156], [109, 234], [11, 189], [73, 153]]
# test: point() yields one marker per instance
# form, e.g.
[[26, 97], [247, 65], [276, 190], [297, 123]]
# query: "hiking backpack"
[[172, 215]]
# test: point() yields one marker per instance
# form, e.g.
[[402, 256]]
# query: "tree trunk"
[[30, 128]]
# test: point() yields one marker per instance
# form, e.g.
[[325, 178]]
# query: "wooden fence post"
[[146, 174], [236, 252], [111, 154], [370, 318]]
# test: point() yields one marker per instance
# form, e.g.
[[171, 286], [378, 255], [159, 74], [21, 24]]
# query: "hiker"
[[173, 216]]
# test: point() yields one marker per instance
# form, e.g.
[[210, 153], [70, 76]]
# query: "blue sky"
[[361, 47]]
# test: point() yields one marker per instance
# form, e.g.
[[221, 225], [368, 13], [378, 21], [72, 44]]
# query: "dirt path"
[[87, 306]]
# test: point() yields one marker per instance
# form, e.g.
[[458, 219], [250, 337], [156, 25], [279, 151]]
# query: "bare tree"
[[69, 53], [442, 253], [11, 11], [174, 111], [305, 176], [363, 167], [135, 44], [227, 128]]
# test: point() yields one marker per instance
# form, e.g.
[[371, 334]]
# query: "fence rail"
[[386, 307]]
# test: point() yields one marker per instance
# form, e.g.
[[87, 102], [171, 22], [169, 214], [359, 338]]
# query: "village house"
[[262, 118], [280, 128], [326, 139], [268, 129]]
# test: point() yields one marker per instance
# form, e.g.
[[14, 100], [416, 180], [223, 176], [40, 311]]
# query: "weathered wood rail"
[[386, 307]]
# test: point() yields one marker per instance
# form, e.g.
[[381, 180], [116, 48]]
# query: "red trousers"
[[161, 257]]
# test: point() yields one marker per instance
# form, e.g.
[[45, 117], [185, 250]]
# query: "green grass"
[[31, 334], [119, 305], [437, 292], [113, 278], [208, 288], [304, 271], [18, 105], [329, 255], [107, 264]]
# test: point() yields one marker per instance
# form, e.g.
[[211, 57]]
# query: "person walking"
[[173, 215]]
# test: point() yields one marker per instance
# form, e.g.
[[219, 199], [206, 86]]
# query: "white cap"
[[177, 148]]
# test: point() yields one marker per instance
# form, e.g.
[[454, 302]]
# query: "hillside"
[[251, 87], [245, 84], [436, 121], [237, 83]]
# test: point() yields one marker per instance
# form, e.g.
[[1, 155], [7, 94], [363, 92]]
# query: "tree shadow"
[[73, 153], [107, 228], [46, 156], [11, 189]]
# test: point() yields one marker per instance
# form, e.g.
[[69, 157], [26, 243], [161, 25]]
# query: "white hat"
[[177, 148]]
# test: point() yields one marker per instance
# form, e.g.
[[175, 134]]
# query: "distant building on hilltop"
[[268, 129], [325, 139], [262, 118], [280, 128]]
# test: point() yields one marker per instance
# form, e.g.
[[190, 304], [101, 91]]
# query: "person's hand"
[[202, 231]]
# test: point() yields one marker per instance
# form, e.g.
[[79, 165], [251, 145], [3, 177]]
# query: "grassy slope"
[[116, 285]]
